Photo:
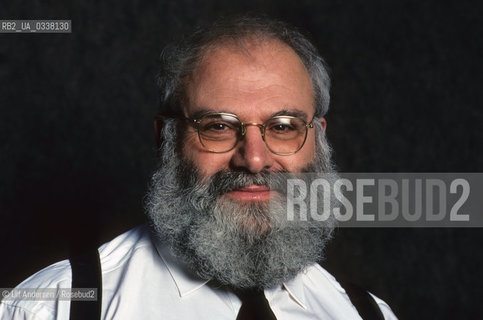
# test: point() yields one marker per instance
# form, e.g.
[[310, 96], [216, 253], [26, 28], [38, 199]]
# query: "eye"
[[217, 126], [281, 128]]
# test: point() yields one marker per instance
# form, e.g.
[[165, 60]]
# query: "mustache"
[[225, 181]]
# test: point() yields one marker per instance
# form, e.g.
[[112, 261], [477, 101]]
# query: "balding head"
[[180, 61]]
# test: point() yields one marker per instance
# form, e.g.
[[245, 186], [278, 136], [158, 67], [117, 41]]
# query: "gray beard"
[[209, 231]]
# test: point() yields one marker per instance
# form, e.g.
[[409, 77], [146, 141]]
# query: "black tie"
[[254, 306]]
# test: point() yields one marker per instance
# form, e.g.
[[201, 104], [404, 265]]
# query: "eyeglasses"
[[220, 132]]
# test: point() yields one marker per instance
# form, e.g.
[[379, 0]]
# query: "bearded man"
[[243, 103]]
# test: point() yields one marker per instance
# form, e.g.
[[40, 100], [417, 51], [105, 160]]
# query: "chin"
[[256, 227]]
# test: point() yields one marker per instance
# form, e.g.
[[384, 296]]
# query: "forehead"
[[253, 80]]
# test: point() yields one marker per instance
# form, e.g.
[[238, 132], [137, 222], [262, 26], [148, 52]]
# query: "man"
[[243, 103]]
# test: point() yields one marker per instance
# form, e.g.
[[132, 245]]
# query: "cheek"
[[206, 162], [190, 142], [301, 159], [310, 144], [310, 151], [190, 146]]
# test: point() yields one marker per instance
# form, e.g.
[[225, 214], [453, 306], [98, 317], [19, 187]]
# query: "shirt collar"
[[188, 282], [296, 290]]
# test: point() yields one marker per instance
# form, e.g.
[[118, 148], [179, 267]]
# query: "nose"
[[251, 153]]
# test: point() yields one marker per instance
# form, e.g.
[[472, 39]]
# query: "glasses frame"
[[243, 126]]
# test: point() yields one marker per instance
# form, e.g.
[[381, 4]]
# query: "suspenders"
[[361, 299], [86, 273]]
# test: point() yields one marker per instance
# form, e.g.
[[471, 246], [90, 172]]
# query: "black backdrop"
[[77, 146]]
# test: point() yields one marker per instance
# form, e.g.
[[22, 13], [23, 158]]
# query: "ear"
[[323, 122], [158, 126]]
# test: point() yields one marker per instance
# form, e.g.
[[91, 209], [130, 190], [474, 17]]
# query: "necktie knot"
[[254, 305], [250, 294]]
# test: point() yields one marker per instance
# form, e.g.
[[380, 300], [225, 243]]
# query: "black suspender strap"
[[363, 301], [86, 273]]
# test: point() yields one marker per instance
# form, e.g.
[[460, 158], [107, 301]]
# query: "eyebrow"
[[284, 112], [292, 113], [200, 113]]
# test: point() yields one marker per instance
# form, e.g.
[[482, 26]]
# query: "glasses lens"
[[218, 132], [285, 135]]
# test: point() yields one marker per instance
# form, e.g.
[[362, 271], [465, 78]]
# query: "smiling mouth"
[[251, 193]]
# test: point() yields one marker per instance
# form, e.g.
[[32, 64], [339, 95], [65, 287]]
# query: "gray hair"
[[210, 233], [181, 60]]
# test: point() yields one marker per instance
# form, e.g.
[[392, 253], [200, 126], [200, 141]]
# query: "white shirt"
[[141, 280]]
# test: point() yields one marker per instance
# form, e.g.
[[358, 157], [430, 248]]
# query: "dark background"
[[77, 144]]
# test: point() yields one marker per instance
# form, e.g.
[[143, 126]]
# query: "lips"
[[251, 193], [254, 188]]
